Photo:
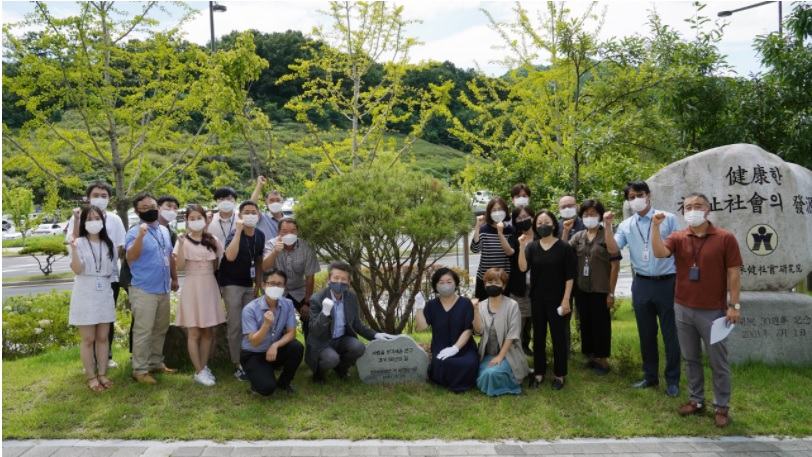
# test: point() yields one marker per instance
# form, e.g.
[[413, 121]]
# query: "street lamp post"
[[213, 6], [755, 5]]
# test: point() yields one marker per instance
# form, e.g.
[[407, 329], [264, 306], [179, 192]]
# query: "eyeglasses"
[[275, 284], [145, 209]]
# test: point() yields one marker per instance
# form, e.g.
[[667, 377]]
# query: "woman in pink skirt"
[[199, 307]]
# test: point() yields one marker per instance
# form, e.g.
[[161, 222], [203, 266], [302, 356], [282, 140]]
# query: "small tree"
[[19, 203], [390, 226], [52, 248]]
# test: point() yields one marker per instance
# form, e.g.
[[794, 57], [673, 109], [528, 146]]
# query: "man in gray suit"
[[334, 327]]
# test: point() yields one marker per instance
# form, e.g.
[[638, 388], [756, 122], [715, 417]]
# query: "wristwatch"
[[612, 295], [735, 306]]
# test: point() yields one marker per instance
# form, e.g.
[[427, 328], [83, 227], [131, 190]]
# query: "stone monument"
[[393, 361], [767, 204]]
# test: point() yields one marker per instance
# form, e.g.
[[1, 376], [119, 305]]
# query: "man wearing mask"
[[239, 276], [652, 287], [568, 209], [98, 194], [152, 267], [269, 222], [707, 260], [297, 259], [335, 322], [222, 223]]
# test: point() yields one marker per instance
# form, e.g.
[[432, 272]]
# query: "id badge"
[[693, 274], [586, 271], [99, 284], [645, 255], [253, 272], [166, 261]]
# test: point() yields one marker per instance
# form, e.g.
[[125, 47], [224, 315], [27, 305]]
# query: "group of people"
[[534, 266]]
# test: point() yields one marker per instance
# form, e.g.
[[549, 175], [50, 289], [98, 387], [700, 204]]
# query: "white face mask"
[[638, 204], [275, 207], [591, 222], [521, 201], [274, 293], [250, 220], [94, 227], [168, 215], [498, 216], [694, 218], [289, 239], [100, 202], [196, 226], [567, 213], [226, 206]]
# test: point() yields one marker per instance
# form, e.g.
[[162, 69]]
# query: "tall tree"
[[338, 77], [18, 202], [131, 97]]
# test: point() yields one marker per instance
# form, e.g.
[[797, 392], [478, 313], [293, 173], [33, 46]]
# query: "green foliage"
[[19, 203], [35, 324], [389, 225], [51, 248]]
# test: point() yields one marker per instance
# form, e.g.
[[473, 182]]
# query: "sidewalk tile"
[[482, 449], [100, 451], [674, 448], [364, 450], [702, 454], [158, 451], [622, 447], [393, 450], [748, 446], [39, 451], [538, 449], [422, 450], [792, 453], [335, 451], [129, 452], [508, 449], [452, 450], [305, 451], [191, 451], [71, 451], [793, 445], [277, 451], [14, 451], [246, 452], [217, 451], [706, 446]]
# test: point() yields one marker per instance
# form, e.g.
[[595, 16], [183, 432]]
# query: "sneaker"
[[209, 373], [240, 374], [112, 364], [203, 378]]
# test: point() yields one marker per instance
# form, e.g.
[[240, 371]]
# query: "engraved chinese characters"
[[393, 361]]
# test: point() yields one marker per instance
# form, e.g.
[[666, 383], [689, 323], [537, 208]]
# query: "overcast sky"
[[458, 31]]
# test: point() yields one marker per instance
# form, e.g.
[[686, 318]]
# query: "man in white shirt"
[[222, 223]]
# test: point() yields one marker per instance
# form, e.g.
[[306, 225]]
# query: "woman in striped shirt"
[[490, 240]]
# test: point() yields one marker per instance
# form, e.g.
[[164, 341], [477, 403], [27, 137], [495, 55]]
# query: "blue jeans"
[[652, 300]]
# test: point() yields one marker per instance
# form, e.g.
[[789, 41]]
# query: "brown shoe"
[[721, 418], [691, 407], [163, 369], [144, 379]]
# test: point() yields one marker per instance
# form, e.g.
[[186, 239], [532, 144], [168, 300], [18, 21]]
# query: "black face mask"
[[149, 216], [493, 291], [524, 225], [544, 230]]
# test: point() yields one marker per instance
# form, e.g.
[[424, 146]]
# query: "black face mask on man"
[[149, 216]]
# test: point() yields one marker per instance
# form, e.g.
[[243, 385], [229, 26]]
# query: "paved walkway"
[[640, 447]]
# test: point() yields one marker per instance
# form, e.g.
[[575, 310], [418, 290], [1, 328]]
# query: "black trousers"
[[544, 314], [305, 322], [596, 324], [260, 372]]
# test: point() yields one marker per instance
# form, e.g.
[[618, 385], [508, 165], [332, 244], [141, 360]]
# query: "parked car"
[[9, 235], [49, 229]]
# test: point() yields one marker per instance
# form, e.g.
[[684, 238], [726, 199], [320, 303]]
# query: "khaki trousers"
[[150, 324]]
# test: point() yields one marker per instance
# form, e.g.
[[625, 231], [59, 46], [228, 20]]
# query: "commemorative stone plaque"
[[394, 361]]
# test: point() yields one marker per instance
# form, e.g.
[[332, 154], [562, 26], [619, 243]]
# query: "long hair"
[[208, 238], [103, 234]]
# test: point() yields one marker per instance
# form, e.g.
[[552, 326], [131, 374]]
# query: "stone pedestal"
[[775, 327], [395, 361], [176, 352]]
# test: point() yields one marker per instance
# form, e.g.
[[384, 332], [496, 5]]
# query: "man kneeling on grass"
[[269, 338]]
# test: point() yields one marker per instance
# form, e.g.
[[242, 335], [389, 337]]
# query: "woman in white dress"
[[94, 260]]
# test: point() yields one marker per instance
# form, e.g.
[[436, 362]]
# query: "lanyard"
[[697, 251], [645, 239], [230, 225], [158, 239], [92, 253], [251, 246]]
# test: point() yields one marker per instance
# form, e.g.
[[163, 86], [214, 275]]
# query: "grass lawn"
[[41, 277], [46, 397]]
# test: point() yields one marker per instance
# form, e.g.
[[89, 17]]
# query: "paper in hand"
[[720, 329]]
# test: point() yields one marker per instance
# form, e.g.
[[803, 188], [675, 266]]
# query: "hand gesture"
[[175, 285], [268, 316], [608, 218], [523, 239], [181, 237], [260, 181], [238, 223], [77, 213], [450, 351], [568, 224], [72, 242], [500, 227], [732, 315], [384, 336], [480, 221], [279, 246], [565, 307], [143, 229], [475, 303], [658, 219], [270, 355], [326, 306]]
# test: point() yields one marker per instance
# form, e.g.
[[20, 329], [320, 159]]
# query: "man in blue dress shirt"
[[653, 286]]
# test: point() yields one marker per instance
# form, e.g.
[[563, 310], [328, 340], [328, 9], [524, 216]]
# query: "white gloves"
[[450, 351], [419, 301], [327, 306], [384, 336]]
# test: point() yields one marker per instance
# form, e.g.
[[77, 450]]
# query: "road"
[[27, 266]]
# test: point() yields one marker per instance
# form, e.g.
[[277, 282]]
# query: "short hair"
[[288, 220], [700, 195], [592, 203], [496, 273], [518, 211], [515, 190], [274, 192], [98, 185], [493, 202], [248, 203], [137, 199], [224, 192], [167, 198], [274, 271], [552, 217], [339, 265], [637, 186], [435, 277]]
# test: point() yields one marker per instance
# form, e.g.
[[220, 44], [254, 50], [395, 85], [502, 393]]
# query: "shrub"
[[51, 248]]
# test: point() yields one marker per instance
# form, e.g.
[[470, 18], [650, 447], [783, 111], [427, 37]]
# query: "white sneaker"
[[202, 378], [209, 373], [112, 364]]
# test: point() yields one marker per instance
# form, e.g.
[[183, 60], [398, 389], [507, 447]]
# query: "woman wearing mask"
[[503, 365], [94, 261], [597, 277], [517, 283], [490, 240], [199, 307], [552, 273], [454, 361]]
